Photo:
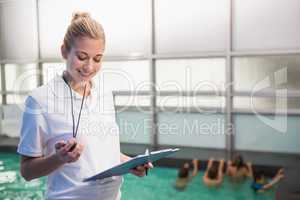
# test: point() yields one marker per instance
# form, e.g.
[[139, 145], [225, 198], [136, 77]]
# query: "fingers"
[[149, 165], [60, 144], [281, 171], [69, 151], [71, 144], [141, 170], [76, 152], [72, 147]]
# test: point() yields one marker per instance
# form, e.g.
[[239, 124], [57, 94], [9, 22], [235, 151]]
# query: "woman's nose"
[[89, 65]]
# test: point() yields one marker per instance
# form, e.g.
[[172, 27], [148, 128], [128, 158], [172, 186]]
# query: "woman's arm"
[[228, 170], [220, 171], [275, 180], [209, 164], [250, 170], [35, 167], [124, 157], [195, 167], [205, 179]]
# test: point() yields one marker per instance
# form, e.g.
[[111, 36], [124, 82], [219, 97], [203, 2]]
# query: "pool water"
[[13, 186], [158, 185]]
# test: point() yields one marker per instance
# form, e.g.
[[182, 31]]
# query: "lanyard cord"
[[72, 108]]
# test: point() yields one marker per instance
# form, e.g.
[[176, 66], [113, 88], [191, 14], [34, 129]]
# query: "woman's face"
[[84, 58]]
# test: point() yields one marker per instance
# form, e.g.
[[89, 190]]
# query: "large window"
[[19, 80], [269, 72], [18, 30], [191, 129], [267, 92], [191, 26], [267, 133], [214, 63], [126, 24], [257, 27]]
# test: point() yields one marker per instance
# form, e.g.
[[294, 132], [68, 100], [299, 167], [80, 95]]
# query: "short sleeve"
[[33, 130]]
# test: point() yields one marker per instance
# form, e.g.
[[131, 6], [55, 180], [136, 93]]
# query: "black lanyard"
[[72, 108]]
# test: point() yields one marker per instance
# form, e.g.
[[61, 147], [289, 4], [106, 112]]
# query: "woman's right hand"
[[66, 152]]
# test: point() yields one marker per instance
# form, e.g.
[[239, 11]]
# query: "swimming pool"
[[12, 185], [158, 185]]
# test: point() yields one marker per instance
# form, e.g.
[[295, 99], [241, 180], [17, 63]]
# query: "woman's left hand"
[[140, 171]]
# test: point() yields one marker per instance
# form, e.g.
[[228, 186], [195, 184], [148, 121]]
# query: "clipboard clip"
[[147, 154]]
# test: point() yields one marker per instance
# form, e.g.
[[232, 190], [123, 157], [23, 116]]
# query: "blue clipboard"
[[125, 167]]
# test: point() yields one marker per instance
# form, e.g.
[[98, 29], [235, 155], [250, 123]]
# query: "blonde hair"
[[82, 25]]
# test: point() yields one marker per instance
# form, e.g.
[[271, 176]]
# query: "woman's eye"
[[81, 57], [97, 59]]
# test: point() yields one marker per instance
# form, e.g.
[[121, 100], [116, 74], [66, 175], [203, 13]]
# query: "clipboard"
[[125, 167]]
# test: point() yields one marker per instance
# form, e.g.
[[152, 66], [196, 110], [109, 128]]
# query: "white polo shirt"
[[47, 119]]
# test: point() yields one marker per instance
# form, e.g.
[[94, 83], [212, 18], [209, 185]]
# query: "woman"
[[238, 169], [213, 176], [260, 184], [183, 176], [69, 131]]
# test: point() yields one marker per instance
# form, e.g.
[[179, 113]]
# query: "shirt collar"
[[60, 88]]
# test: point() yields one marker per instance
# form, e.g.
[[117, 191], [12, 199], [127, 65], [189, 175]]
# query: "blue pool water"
[[158, 185]]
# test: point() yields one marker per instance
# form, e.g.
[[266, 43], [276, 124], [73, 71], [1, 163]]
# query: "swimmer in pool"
[[260, 184], [183, 177], [213, 175], [237, 169]]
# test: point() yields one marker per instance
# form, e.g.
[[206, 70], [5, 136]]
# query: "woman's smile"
[[85, 74]]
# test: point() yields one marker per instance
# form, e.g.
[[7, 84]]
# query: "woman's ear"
[[64, 52]]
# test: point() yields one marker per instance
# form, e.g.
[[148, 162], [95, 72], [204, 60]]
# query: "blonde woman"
[[69, 132]]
